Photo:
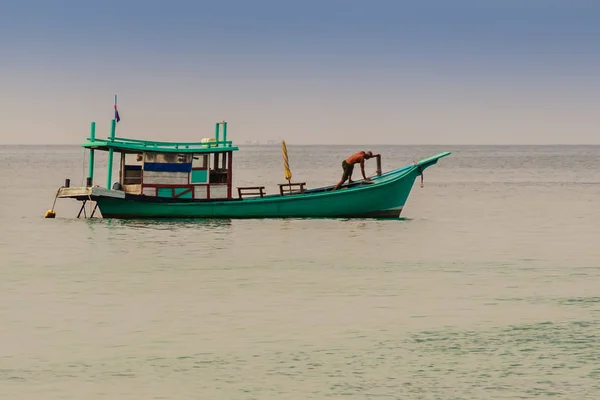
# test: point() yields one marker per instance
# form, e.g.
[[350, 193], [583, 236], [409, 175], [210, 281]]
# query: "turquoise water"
[[486, 289]]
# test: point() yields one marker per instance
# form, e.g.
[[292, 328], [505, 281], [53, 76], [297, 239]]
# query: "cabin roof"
[[138, 146]]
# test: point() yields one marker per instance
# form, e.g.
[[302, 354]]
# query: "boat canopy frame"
[[124, 146], [132, 146]]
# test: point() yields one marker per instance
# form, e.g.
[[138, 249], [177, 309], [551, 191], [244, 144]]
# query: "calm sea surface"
[[489, 288]]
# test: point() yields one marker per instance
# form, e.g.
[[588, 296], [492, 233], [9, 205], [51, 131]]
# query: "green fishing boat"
[[195, 180]]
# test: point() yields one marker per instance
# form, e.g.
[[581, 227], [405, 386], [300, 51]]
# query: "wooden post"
[[215, 161], [122, 173]]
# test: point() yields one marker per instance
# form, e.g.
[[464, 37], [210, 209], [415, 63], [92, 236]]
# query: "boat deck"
[[88, 193], [92, 192]]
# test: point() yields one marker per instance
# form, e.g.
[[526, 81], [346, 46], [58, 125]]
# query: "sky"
[[309, 72]]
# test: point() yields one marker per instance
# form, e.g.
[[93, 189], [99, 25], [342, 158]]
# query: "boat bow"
[[428, 162]]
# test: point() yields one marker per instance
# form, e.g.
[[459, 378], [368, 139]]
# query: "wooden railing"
[[291, 188], [251, 191]]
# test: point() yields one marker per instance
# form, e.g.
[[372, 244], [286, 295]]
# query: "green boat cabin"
[[185, 170], [176, 175]]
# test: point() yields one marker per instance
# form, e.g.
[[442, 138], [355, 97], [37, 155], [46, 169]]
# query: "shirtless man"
[[348, 166]]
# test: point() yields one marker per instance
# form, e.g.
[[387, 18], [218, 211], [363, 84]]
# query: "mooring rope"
[[420, 169]]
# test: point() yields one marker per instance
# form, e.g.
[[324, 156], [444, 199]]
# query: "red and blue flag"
[[117, 118]]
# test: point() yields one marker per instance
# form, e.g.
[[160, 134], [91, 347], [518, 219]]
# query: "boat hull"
[[383, 198]]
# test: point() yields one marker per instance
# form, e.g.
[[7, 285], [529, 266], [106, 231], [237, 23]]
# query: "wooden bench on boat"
[[251, 191], [291, 188]]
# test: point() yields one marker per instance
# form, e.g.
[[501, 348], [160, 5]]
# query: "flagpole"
[[115, 107]]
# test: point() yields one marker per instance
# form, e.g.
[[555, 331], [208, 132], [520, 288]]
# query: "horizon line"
[[337, 144]]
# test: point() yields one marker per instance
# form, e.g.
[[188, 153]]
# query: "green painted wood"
[[428, 162], [383, 198], [133, 145], [110, 155], [91, 165], [187, 193], [199, 176], [164, 192]]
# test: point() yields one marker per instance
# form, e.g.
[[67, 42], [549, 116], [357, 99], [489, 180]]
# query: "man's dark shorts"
[[348, 168]]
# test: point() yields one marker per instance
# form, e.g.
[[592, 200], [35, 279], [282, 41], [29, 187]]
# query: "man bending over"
[[348, 166]]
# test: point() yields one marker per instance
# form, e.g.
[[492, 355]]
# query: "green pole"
[[110, 154], [113, 126], [91, 168], [217, 132], [224, 131]]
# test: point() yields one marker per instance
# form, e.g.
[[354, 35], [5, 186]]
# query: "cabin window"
[[219, 176], [200, 161], [219, 172], [131, 170], [199, 173]]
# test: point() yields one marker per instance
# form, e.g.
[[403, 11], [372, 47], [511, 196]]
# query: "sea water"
[[487, 288]]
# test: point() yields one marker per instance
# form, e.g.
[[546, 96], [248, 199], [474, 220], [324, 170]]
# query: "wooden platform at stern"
[[87, 193]]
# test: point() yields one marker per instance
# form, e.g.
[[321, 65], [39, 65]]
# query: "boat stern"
[[88, 193], [85, 194]]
